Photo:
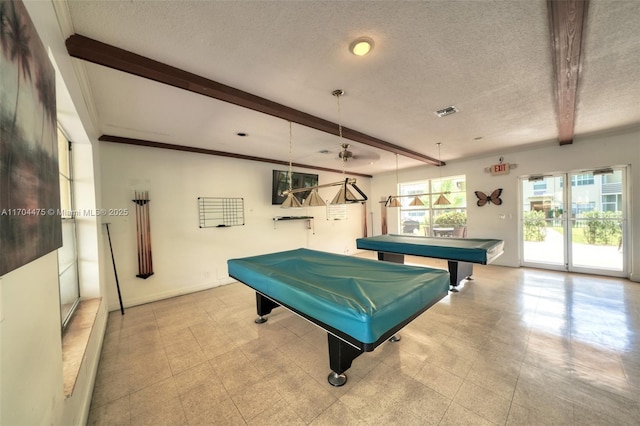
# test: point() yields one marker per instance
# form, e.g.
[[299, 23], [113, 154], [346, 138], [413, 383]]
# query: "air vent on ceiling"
[[446, 111]]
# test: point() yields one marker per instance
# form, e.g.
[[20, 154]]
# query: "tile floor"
[[514, 346]]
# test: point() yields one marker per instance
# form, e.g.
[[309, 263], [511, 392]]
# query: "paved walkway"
[[584, 255]]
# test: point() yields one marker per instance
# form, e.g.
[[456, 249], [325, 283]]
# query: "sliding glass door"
[[597, 221], [575, 221], [544, 228]]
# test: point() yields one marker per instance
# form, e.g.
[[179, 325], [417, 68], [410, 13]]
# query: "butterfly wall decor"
[[493, 198]]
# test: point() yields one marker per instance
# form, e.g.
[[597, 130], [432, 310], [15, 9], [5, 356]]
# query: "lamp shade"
[[344, 196], [314, 200], [394, 202], [416, 202], [442, 201], [290, 202]]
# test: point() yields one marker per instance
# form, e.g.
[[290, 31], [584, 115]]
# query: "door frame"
[[568, 230]]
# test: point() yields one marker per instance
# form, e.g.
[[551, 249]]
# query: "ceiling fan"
[[350, 158]]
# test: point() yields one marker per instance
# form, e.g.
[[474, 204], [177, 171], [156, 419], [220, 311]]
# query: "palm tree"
[[4, 39], [17, 41], [4, 140], [19, 51], [46, 87]]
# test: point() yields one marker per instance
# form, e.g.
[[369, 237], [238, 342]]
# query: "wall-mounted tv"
[[280, 184]]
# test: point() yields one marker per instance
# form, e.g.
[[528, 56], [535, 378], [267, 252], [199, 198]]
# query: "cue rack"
[[143, 229]]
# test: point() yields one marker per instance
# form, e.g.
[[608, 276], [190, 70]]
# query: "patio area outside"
[[597, 256]]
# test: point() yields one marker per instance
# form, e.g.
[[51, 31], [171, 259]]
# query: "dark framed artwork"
[[30, 224], [280, 184]]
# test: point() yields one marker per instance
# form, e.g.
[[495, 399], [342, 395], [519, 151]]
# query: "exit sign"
[[500, 169]]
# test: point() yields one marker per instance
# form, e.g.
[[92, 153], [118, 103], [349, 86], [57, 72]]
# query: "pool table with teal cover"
[[460, 253], [361, 303]]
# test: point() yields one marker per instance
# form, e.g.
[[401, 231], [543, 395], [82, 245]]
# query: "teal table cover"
[[362, 298], [474, 250]]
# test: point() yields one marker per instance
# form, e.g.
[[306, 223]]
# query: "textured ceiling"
[[491, 59]]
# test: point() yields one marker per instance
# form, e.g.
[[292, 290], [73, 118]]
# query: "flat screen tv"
[[280, 184]]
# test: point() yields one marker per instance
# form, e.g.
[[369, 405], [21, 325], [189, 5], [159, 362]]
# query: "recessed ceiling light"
[[242, 134], [361, 46]]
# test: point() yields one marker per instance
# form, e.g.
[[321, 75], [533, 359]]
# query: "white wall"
[[501, 222], [31, 352], [31, 389], [185, 257]]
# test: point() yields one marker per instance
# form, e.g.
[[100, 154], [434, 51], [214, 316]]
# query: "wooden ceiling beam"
[[85, 48], [567, 25], [184, 148]]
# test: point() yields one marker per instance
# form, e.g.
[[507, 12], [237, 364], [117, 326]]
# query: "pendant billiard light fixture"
[[393, 201], [442, 200], [291, 201], [344, 195]]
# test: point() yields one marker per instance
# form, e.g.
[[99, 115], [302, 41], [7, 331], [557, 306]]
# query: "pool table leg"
[[391, 257], [341, 355], [264, 306], [459, 271]]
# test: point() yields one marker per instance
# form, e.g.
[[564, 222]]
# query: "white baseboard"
[[169, 294]]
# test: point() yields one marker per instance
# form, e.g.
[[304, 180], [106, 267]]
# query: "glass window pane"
[[615, 177], [431, 219], [63, 157], [597, 228], [67, 253], [414, 188], [68, 291], [65, 196]]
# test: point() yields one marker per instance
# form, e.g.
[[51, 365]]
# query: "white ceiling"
[[491, 59]]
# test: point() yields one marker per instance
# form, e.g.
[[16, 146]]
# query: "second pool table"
[[461, 253]]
